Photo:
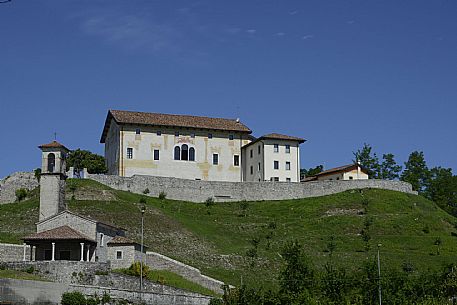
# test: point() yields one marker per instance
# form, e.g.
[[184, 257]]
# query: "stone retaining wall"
[[199, 191], [162, 262], [13, 252], [10, 184]]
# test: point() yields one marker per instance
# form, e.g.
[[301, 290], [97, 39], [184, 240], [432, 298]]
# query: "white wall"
[[257, 174], [293, 157], [202, 168]]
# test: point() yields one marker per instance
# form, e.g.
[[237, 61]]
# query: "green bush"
[[21, 194], [216, 302], [162, 195], [135, 268], [146, 191], [209, 202], [73, 298]]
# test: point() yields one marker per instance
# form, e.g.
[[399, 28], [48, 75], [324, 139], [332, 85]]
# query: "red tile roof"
[[277, 136], [53, 144], [121, 240], [171, 120], [60, 233], [340, 169]]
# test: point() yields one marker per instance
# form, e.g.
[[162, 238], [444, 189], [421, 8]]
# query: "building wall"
[[202, 168], [337, 176], [355, 175], [282, 157], [112, 148], [52, 193], [128, 256], [257, 174], [75, 222], [199, 191], [13, 252]]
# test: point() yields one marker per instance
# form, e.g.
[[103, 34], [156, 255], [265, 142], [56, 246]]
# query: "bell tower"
[[52, 179]]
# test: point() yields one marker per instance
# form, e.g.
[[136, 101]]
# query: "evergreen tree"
[[389, 169], [80, 159], [442, 189], [368, 160], [416, 171], [311, 171]]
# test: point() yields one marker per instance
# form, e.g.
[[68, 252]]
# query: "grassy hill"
[[220, 239]]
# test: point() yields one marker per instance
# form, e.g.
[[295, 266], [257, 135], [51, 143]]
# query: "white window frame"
[[274, 165], [287, 149], [122, 254], [275, 148], [287, 166], [131, 150]]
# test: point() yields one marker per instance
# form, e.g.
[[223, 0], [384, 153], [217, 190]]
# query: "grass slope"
[[218, 238]]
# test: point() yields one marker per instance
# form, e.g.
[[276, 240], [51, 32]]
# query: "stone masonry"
[[199, 191], [10, 184]]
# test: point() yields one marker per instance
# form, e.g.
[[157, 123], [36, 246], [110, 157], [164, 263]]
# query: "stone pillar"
[[53, 258], [88, 253], [82, 252], [32, 253], [25, 252]]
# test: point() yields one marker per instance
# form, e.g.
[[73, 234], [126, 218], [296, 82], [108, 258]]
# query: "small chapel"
[[65, 235]]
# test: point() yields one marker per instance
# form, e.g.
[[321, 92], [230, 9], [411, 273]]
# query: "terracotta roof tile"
[[171, 120], [60, 233], [278, 136], [121, 240], [343, 168], [53, 144]]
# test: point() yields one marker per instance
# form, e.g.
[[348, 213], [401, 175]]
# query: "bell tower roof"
[[53, 144]]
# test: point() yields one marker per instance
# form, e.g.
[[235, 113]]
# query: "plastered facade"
[[136, 145], [259, 161]]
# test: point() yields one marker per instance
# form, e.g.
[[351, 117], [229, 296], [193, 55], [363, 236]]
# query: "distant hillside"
[[221, 238]]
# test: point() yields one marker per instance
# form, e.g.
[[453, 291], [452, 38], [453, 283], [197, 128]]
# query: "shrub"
[[142, 200], [37, 173], [209, 202], [92, 301], [106, 298], [146, 191], [135, 268], [21, 194], [162, 195], [73, 298], [30, 269], [216, 302]]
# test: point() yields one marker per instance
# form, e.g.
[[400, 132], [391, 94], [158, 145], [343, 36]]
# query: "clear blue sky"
[[338, 73]]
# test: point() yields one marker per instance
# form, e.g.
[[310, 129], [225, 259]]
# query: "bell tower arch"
[[52, 179]]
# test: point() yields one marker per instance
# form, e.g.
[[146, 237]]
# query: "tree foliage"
[[416, 171], [368, 160], [442, 189], [311, 171], [389, 169], [80, 159]]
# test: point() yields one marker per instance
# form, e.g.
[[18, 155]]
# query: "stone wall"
[[199, 191], [10, 184], [36, 292], [161, 262], [13, 252], [63, 271]]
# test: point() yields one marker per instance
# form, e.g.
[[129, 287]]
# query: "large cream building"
[[194, 147]]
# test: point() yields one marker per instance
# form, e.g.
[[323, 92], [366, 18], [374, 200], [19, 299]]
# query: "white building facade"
[[189, 147]]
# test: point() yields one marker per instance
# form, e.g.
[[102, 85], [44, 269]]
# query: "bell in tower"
[[52, 179]]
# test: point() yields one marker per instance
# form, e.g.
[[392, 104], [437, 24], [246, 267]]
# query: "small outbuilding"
[[346, 172]]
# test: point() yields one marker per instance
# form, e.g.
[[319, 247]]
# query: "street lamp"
[[143, 210]]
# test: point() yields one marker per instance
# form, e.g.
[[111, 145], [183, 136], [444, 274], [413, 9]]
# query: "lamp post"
[[143, 210], [379, 276]]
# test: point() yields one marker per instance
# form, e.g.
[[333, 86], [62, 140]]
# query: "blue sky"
[[338, 73]]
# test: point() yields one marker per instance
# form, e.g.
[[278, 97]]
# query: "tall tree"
[[368, 160], [442, 189], [389, 169], [416, 171], [80, 159]]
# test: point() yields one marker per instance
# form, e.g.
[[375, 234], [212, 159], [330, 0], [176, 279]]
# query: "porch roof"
[[60, 233]]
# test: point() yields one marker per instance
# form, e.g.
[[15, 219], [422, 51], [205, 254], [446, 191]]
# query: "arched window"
[[177, 153], [184, 152], [51, 162], [191, 154]]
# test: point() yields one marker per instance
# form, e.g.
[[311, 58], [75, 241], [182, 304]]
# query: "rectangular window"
[[215, 159], [118, 254], [137, 131], [288, 179], [159, 133], [210, 135], [192, 135], [287, 149], [236, 160], [276, 164], [230, 137], [252, 170], [258, 149], [129, 153], [276, 148], [176, 133], [251, 153], [258, 166], [276, 179], [156, 154], [287, 166]]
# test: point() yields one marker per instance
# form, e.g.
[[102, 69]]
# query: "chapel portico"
[[62, 243]]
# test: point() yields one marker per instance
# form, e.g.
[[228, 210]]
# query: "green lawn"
[[217, 239], [19, 275]]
